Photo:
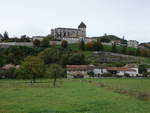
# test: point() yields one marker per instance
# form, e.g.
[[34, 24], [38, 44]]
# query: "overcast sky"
[[129, 18]]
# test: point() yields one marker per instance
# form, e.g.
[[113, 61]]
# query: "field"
[[73, 96]]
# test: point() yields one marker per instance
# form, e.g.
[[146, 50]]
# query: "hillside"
[[106, 56]]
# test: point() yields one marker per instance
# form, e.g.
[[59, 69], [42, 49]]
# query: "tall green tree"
[[82, 45], [5, 36], [55, 71]]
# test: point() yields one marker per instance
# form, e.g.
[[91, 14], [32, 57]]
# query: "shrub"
[[64, 44], [45, 42], [107, 75], [36, 43], [126, 75], [10, 73]]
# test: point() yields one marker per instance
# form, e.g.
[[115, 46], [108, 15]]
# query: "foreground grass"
[[74, 96], [133, 84], [146, 60]]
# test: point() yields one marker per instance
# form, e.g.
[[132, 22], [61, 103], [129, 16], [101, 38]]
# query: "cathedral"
[[63, 33]]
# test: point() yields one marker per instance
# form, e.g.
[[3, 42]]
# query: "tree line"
[[5, 38]]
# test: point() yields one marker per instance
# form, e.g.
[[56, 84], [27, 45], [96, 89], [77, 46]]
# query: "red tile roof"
[[119, 69], [77, 66]]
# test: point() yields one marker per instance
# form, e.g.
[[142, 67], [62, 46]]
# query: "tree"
[[25, 38], [142, 68], [55, 71], [36, 43], [45, 42], [138, 52], [105, 38], [5, 36], [82, 45], [123, 49], [114, 48], [100, 44], [94, 46], [91, 73], [89, 46], [51, 55], [64, 44], [64, 60], [31, 68], [2, 57], [97, 46], [77, 59], [14, 55]]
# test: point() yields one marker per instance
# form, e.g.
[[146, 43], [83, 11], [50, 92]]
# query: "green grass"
[[141, 85], [73, 96], [146, 60], [74, 47]]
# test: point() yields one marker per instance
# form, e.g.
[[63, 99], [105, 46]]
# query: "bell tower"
[[82, 30]]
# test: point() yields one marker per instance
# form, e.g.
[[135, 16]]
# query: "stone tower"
[[82, 30]]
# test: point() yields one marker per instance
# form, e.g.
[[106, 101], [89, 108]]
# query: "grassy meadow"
[[73, 96]]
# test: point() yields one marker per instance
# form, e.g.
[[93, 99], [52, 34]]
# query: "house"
[[82, 71], [9, 66], [133, 66], [145, 45], [148, 70], [116, 42], [132, 43], [121, 71], [98, 71], [38, 38], [78, 71]]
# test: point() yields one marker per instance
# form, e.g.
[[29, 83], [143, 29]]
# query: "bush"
[[107, 75], [10, 73], [126, 75], [94, 46], [64, 44], [36, 43], [45, 42]]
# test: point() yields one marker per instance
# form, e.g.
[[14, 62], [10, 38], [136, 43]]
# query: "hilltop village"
[[78, 55]]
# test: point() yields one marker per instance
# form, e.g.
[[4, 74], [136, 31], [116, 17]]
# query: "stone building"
[[71, 33]]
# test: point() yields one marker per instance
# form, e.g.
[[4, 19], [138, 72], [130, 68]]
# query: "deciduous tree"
[[36, 43], [31, 68], [45, 42], [64, 44], [55, 71], [82, 45]]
